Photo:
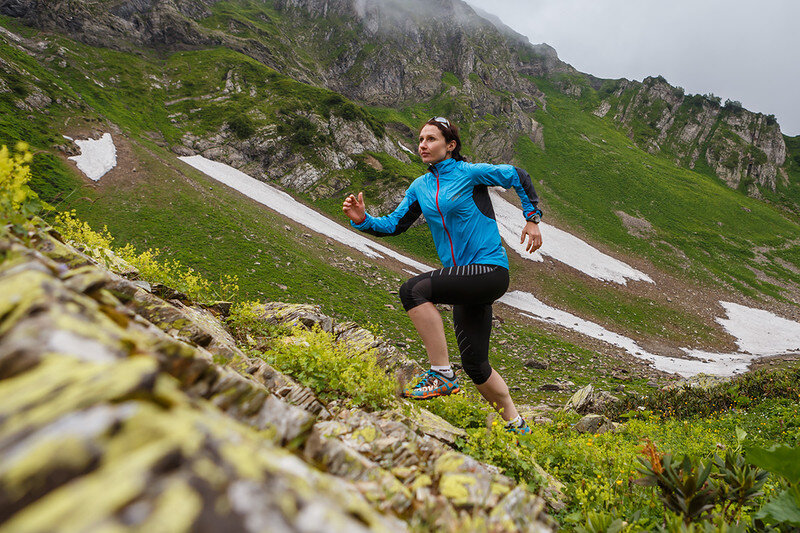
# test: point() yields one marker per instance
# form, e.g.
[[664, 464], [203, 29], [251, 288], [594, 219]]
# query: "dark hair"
[[450, 133]]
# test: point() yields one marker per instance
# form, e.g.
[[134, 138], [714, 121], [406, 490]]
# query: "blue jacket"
[[454, 198]]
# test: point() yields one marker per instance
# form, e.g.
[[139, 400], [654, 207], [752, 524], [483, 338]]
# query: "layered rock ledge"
[[120, 410]]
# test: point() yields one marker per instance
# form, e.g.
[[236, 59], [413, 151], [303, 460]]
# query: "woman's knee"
[[478, 372], [415, 292]]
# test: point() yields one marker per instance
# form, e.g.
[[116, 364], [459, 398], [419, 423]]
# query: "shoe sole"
[[429, 395]]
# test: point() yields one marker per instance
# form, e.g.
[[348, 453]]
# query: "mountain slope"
[[228, 106]]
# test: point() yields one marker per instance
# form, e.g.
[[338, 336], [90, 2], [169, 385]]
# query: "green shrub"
[[242, 126], [18, 202], [183, 278], [333, 370], [246, 322], [747, 390], [782, 511]]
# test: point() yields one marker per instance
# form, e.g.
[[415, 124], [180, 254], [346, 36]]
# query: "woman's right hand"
[[354, 208]]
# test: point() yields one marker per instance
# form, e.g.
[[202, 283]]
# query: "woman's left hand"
[[534, 237]]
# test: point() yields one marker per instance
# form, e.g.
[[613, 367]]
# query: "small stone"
[[533, 363]]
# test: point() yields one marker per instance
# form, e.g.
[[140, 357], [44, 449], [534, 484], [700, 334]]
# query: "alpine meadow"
[[194, 338]]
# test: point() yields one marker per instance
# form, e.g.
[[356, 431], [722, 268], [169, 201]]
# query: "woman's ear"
[[451, 146]]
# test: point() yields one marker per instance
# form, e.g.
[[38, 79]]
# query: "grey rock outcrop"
[[124, 410], [744, 148], [595, 424], [589, 400]]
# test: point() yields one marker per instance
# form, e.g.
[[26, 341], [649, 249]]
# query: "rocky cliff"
[[745, 149], [122, 410], [414, 56]]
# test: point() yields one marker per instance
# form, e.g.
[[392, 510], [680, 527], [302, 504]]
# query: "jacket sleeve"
[[396, 222], [508, 176]]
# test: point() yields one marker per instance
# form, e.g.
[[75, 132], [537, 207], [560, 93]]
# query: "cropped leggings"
[[471, 289]]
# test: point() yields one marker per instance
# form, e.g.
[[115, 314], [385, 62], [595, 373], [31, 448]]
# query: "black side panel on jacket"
[[413, 213], [527, 185], [480, 195]]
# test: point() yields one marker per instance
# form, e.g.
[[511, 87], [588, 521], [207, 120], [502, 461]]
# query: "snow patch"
[[98, 156], [289, 207], [758, 333], [404, 148], [561, 246]]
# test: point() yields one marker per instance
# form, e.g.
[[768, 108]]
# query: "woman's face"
[[432, 146]]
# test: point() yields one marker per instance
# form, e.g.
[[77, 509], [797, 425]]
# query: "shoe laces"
[[428, 379]]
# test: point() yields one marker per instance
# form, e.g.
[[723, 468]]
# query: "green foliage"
[[246, 322], [173, 273], [300, 130], [495, 445], [332, 370], [740, 483], [449, 78], [674, 523], [601, 522], [18, 203], [77, 231], [242, 126], [682, 483], [783, 461], [745, 390]]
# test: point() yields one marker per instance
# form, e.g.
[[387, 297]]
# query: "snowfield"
[[758, 334], [289, 207], [98, 156], [561, 246]]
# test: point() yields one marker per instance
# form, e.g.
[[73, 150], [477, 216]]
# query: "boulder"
[[595, 424], [589, 400], [436, 426]]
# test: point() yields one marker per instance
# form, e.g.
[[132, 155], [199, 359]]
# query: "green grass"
[[587, 181]]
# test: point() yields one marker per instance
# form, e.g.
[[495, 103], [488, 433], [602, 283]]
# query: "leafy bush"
[[332, 370], [242, 126], [178, 276], [497, 446], [246, 322], [746, 390], [74, 229], [783, 461], [300, 130], [18, 202], [682, 483]]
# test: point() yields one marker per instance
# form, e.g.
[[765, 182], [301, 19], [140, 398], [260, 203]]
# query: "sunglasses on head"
[[441, 120]]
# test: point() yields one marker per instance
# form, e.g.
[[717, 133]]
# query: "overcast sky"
[[737, 49]]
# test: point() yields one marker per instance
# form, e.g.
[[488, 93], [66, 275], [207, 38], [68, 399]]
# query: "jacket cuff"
[[363, 225], [529, 215]]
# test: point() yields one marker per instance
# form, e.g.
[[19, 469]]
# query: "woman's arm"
[[507, 176], [393, 224]]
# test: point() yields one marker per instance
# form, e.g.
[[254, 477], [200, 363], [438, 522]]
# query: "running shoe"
[[432, 384], [524, 429]]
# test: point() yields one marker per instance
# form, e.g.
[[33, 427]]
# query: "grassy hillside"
[[702, 228], [703, 233]]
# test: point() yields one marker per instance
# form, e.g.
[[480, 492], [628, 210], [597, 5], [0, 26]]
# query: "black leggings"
[[471, 289]]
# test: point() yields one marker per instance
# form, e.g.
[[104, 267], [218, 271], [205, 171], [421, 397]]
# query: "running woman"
[[453, 195]]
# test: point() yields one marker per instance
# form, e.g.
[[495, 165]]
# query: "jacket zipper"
[[452, 253]]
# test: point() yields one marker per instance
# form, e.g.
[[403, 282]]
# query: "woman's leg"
[[473, 325], [496, 393], [428, 321]]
